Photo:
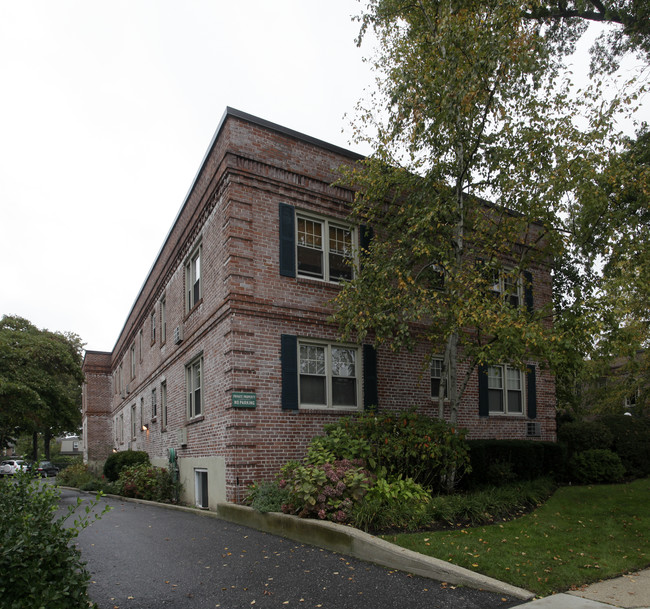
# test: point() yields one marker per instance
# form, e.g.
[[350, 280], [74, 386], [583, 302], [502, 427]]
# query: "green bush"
[[498, 462], [144, 481], [580, 436], [490, 504], [430, 451], [119, 460], [400, 503], [77, 475], [267, 496], [596, 466], [39, 565], [328, 491], [631, 442]]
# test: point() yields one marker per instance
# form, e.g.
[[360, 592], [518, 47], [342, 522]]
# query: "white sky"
[[106, 111]]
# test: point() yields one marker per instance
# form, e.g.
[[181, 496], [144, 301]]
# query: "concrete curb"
[[352, 542]]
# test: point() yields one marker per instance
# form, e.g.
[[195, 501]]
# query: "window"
[[163, 320], [508, 284], [201, 488], [133, 421], [153, 327], [505, 390], [142, 427], [324, 249], [132, 361], [436, 377], [154, 404], [194, 379], [328, 375], [141, 343], [193, 279], [122, 428], [163, 404]]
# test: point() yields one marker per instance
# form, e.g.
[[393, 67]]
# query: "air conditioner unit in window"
[[533, 429], [178, 335]]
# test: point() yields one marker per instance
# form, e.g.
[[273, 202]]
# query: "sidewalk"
[[628, 592]]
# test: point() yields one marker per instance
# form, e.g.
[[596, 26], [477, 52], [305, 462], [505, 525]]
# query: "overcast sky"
[[106, 111]]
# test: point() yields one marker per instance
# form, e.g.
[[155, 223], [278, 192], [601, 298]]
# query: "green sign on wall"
[[242, 399]]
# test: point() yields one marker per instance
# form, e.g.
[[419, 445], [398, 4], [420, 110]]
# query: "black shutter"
[[531, 392], [289, 363], [483, 396], [370, 394], [528, 291], [287, 230]]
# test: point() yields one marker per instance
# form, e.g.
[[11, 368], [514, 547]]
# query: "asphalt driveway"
[[143, 556]]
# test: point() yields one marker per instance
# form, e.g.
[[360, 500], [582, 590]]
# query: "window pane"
[[312, 359], [310, 262], [495, 377], [344, 391], [514, 378], [340, 253], [312, 390], [494, 400], [310, 233], [343, 362], [515, 402]]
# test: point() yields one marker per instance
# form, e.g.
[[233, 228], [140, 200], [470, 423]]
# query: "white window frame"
[[508, 285], [512, 381], [325, 249], [163, 320], [194, 276], [199, 500], [436, 374], [163, 404], [329, 376], [154, 404], [194, 401]]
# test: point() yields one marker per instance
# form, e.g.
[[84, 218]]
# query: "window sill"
[[198, 303], [193, 420], [329, 410]]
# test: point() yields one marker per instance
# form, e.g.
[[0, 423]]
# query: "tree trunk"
[[35, 446], [47, 438]]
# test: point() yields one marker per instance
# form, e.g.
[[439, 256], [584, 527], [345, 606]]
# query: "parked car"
[[12, 466], [45, 469]]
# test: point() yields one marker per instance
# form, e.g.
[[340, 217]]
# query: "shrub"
[[489, 505], [77, 475], [430, 451], [119, 460], [39, 565], [267, 496], [596, 466], [498, 462], [144, 481], [399, 503], [631, 442], [580, 436], [326, 491]]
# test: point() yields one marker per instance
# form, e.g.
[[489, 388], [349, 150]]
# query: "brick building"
[[227, 356]]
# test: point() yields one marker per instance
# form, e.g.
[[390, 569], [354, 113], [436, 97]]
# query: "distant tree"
[[40, 381]]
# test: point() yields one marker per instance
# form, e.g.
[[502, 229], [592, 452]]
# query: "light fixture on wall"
[[145, 427]]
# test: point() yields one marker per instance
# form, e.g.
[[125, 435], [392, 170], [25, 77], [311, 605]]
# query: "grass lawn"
[[580, 535]]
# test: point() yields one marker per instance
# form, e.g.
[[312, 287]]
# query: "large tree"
[[40, 381], [477, 166]]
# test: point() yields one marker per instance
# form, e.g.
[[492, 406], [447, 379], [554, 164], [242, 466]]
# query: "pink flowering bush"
[[145, 481], [327, 491]]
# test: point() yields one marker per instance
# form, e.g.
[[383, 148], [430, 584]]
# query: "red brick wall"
[[232, 210]]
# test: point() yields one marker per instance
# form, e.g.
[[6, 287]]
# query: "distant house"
[[71, 446], [227, 355]]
